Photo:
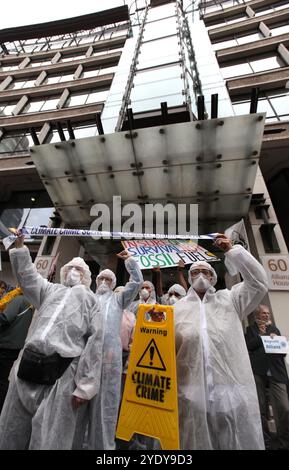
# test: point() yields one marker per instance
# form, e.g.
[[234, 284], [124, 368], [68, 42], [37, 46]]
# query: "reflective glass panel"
[[50, 104], [160, 29], [76, 100], [236, 70], [162, 51], [266, 64], [279, 30], [280, 104], [97, 96], [160, 73], [90, 73]]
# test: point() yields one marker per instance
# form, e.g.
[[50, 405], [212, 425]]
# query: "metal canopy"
[[212, 163]]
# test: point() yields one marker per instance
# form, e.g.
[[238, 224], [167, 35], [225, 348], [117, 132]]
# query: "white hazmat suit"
[[69, 322], [103, 410], [218, 405]]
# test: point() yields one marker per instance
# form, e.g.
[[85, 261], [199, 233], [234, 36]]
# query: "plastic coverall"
[[218, 405], [151, 300], [69, 322], [103, 409]]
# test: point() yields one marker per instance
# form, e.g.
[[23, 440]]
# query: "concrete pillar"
[[56, 58], [63, 99], [40, 79], [5, 84], [264, 30], [78, 71], [89, 52], [24, 63], [45, 130], [20, 105]]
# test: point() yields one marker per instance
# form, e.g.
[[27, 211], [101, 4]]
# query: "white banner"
[[238, 235], [276, 345], [166, 253], [71, 232]]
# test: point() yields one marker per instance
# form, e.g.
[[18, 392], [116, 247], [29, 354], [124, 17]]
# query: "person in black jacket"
[[269, 373], [14, 324]]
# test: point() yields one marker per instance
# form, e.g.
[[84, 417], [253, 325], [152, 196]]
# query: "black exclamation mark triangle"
[[151, 358]]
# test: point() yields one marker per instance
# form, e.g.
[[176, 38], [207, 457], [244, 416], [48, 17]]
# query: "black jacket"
[[14, 323], [261, 362]]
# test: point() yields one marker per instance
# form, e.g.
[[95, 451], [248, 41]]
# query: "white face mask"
[[144, 294], [173, 299], [103, 287], [201, 283], [73, 277]]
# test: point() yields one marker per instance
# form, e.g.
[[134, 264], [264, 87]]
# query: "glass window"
[[66, 78], [83, 132], [162, 51], [54, 136], [249, 38], [268, 63], [105, 70], [264, 107], [6, 110], [97, 96], [155, 103], [69, 59], [236, 70], [225, 44], [51, 80], [157, 88], [85, 40], [279, 30], [50, 104], [6, 68], [159, 73], [29, 83], [76, 100], [9, 143], [40, 64], [280, 104], [90, 73], [160, 29], [241, 108], [33, 107], [16, 84]]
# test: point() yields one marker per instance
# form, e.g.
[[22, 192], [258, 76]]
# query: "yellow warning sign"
[[149, 404]]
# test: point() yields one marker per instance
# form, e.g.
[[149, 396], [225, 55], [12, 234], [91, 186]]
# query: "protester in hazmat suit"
[[147, 295], [218, 405], [175, 293], [60, 366], [103, 410]]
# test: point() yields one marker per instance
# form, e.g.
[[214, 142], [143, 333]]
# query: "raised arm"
[[246, 295], [135, 282], [34, 286], [181, 277]]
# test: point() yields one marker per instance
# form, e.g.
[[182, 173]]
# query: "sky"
[[25, 12]]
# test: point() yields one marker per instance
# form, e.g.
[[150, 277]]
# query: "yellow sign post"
[[150, 402]]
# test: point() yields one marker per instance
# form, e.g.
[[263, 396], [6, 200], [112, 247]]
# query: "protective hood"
[[79, 263], [205, 265], [110, 274], [178, 289], [153, 292]]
